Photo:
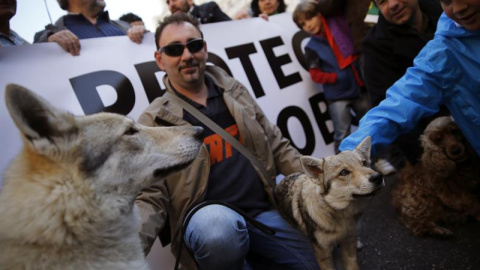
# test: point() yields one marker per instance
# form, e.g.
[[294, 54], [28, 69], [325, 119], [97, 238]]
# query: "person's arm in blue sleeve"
[[416, 95]]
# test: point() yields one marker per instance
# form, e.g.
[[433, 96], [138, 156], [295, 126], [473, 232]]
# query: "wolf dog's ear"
[[365, 147], [34, 116], [313, 167]]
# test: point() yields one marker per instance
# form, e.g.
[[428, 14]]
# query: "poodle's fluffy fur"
[[443, 186]]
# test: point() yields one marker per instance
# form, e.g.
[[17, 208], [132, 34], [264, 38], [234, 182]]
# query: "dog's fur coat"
[[439, 188], [67, 202], [323, 201]]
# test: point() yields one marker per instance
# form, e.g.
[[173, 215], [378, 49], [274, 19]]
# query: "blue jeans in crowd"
[[220, 238], [342, 118]]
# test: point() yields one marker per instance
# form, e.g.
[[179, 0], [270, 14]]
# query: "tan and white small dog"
[[67, 202], [324, 201]]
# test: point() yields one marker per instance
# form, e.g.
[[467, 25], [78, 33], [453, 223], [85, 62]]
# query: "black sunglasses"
[[176, 49]]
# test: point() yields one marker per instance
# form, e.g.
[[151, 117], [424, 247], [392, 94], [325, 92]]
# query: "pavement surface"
[[388, 245]]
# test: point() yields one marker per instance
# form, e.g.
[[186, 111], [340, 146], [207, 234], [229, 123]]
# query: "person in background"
[[86, 19], [208, 12], [402, 30], [330, 55], [217, 236], [8, 37], [242, 14], [445, 72], [355, 12], [265, 8], [132, 19]]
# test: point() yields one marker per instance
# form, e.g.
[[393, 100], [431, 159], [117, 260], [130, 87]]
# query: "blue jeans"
[[220, 238], [342, 118]]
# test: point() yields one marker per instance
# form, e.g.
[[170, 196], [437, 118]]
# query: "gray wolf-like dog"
[[324, 202], [68, 198]]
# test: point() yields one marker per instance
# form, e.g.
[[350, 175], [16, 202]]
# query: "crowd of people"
[[421, 59]]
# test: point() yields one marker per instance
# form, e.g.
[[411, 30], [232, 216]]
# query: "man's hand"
[[135, 33], [67, 40]]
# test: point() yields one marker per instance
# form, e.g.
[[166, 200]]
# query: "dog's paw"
[[359, 245], [441, 231]]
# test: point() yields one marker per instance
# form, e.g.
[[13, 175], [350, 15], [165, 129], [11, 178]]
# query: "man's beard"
[[184, 7], [96, 8]]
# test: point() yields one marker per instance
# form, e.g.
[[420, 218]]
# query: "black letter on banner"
[[282, 123], [150, 83], [297, 47], [242, 52], [217, 61], [276, 63], [321, 117], [85, 87]]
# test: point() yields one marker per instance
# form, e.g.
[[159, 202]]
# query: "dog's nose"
[[198, 133], [376, 178], [456, 151]]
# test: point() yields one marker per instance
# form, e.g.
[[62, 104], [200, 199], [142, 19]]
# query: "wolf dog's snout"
[[376, 178], [198, 133]]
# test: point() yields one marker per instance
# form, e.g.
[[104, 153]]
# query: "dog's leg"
[[439, 230], [423, 225], [324, 257], [474, 210], [348, 249], [462, 202]]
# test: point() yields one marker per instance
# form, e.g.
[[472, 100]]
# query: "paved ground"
[[388, 245]]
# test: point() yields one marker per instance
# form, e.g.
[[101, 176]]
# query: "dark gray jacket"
[[209, 12], [42, 36]]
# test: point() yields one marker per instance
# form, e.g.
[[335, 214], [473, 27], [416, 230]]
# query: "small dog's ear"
[[34, 116], [365, 147], [312, 167]]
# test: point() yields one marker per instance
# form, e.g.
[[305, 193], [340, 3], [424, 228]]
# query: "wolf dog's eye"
[[344, 172], [365, 163], [131, 131]]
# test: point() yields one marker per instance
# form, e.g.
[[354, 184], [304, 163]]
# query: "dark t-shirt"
[[233, 178], [84, 29]]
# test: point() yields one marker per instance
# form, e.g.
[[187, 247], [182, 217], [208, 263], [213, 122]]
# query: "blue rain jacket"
[[446, 71]]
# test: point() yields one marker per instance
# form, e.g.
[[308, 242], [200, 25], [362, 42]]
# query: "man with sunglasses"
[[208, 12], [216, 236]]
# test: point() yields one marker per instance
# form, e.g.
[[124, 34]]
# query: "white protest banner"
[[117, 75]]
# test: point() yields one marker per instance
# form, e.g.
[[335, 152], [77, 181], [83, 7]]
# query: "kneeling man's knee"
[[215, 231]]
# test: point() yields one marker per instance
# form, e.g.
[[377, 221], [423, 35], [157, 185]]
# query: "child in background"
[[332, 62]]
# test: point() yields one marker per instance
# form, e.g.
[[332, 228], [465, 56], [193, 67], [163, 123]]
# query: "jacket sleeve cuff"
[[321, 77]]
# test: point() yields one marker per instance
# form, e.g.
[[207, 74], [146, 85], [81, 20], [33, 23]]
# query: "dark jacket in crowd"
[[120, 26], [319, 54], [354, 11], [389, 50], [209, 12]]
